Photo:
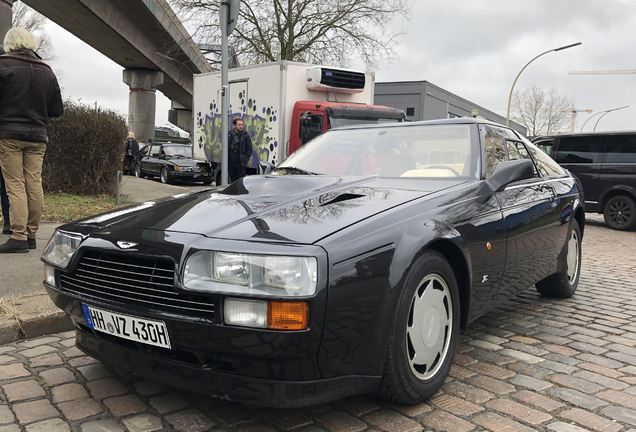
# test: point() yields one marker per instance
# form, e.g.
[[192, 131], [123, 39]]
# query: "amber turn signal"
[[288, 315]]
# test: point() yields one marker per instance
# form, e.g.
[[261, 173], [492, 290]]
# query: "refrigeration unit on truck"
[[283, 105]]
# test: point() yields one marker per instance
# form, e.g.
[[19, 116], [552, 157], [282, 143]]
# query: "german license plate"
[[128, 327]]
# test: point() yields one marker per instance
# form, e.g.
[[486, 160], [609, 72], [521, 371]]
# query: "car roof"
[[574, 134], [467, 120]]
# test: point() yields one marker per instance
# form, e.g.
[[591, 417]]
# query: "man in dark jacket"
[[240, 150], [132, 147], [29, 94]]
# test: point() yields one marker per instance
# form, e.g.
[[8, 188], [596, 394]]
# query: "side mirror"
[[265, 167], [506, 172]]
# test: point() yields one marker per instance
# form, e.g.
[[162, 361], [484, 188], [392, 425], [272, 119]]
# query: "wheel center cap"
[[430, 327]]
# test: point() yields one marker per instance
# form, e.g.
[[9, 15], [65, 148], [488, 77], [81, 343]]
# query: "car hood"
[[285, 208]]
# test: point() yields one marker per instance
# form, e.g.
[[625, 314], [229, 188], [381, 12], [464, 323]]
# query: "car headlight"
[[60, 248], [273, 275]]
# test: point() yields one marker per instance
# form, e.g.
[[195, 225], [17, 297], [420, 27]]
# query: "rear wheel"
[[424, 332], [620, 213], [165, 176], [563, 284]]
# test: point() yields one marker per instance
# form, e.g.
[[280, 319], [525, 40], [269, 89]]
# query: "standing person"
[[29, 94], [132, 147], [240, 150]]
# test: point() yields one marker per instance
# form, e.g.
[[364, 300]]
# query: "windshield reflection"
[[426, 151]]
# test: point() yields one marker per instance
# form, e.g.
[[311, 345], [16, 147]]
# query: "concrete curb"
[[31, 316]]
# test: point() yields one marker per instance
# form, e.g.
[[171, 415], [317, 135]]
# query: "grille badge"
[[126, 244]]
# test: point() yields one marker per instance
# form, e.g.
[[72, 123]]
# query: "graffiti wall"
[[260, 121]]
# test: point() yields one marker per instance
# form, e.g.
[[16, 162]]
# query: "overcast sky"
[[471, 48]]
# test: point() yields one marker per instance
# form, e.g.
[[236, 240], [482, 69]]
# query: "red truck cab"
[[311, 118]]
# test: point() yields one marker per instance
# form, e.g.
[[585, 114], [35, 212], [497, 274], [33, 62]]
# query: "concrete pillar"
[[142, 101], [5, 18], [182, 118]]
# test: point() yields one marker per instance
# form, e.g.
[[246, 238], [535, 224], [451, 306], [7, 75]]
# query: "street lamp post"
[[601, 112], [513, 84]]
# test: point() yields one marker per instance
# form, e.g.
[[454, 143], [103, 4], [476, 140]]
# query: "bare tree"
[[311, 31], [542, 112], [28, 19]]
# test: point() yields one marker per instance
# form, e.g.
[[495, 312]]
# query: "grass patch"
[[67, 208]]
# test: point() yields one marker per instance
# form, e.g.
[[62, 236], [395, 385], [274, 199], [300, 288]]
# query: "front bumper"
[[231, 373], [226, 386], [190, 175]]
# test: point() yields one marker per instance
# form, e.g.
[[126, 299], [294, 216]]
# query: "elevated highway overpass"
[[132, 33]]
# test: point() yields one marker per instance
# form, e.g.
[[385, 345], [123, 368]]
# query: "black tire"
[[218, 178], [563, 283], [430, 295], [138, 172], [165, 176], [620, 213], [207, 182]]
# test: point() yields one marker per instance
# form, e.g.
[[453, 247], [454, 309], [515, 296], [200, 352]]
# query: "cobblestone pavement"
[[534, 364]]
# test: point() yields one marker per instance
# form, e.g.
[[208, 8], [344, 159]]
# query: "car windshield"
[[181, 150], [441, 151]]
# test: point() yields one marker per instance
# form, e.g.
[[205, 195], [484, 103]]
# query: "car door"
[[582, 156], [531, 221], [152, 164], [618, 171]]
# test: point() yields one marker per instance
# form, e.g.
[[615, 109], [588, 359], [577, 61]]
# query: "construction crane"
[[574, 111], [605, 72]]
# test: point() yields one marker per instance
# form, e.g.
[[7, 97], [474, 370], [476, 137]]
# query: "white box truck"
[[283, 105]]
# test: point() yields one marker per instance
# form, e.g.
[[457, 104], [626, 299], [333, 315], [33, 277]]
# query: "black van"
[[605, 163]]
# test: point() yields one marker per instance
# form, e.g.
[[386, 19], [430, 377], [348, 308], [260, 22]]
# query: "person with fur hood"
[[29, 94]]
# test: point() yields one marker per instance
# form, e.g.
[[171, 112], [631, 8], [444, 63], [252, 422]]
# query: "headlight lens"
[[231, 268], [257, 274], [61, 248]]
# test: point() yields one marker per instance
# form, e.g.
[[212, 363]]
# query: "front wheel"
[[165, 176], [138, 172], [620, 213], [563, 283], [424, 332]]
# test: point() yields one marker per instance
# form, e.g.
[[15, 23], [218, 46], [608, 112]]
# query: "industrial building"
[[422, 100]]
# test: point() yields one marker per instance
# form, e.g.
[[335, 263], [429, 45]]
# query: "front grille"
[[133, 280], [342, 79]]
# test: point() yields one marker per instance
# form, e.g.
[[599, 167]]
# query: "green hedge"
[[85, 150]]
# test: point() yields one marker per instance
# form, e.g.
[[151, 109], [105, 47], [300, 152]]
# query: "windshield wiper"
[[295, 170]]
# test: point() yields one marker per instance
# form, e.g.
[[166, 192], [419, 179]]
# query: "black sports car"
[[171, 162], [348, 268]]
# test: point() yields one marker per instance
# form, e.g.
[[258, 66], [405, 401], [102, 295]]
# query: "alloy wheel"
[[429, 327], [572, 259], [620, 212]]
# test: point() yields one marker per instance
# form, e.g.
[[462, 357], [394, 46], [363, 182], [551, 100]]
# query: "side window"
[[155, 151], [494, 147], [311, 125], [545, 146], [517, 151], [620, 149], [580, 149]]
